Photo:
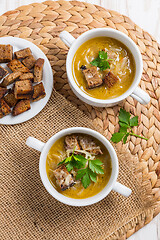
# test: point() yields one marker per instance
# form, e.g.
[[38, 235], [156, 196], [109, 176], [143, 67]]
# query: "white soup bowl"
[[134, 91], [111, 185]]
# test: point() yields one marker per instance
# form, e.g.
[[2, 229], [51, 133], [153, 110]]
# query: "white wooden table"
[[146, 14]]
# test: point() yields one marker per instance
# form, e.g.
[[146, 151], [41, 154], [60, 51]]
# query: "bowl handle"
[[141, 96], [123, 190], [35, 143], [67, 38]]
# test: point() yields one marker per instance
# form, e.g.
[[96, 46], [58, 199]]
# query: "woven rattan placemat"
[[41, 23]]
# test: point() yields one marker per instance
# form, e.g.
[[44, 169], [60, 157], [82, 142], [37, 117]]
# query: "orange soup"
[[91, 149], [120, 60]]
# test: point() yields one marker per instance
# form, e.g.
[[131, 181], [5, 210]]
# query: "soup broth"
[[122, 65], [57, 154]]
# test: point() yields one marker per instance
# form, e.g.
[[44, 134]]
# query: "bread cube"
[[38, 70], [27, 76], [10, 79], [71, 142], [6, 53], [4, 108], [21, 107], [63, 178], [3, 91], [38, 92], [110, 79], [10, 98], [88, 144], [92, 77], [3, 72], [16, 66], [29, 62], [23, 53], [23, 89]]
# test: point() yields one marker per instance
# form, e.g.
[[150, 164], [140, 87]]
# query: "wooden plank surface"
[[146, 14]]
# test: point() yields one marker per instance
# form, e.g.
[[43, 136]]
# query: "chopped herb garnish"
[[101, 61], [88, 168], [126, 123]]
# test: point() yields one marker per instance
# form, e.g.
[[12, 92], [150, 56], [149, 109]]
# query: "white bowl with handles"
[[134, 91], [111, 185]]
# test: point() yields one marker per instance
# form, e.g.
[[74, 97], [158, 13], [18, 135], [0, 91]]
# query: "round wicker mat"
[[41, 24]]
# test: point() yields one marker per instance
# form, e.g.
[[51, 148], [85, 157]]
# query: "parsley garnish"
[[126, 123], [74, 161], [101, 61], [89, 173], [86, 174]]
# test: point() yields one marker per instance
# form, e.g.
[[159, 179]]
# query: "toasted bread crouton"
[[29, 62], [3, 72], [63, 178], [110, 79], [71, 142], [16, 66], [88, 144], [3, 91], [10, 98], [4, 108], [23, 53], [23, 89], [20, 107], [38, 92], [92, 77], [10, 79], [27, 76], [38, 70], [6, 53]]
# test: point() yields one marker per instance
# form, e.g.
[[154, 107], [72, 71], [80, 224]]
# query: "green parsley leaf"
[[125, 138], [101, 61], [124, 116], [93, 176], [79, 165], [74, 161], [95, 62], [123, 129], [134, 121], [125, 123], [117, 137], [103, 55], [86, 180], [81, 173], [86, 175], [95, 167], [104, 65], [80, 158], [61, 162], [97, 162], [70, 166], [68, 159]]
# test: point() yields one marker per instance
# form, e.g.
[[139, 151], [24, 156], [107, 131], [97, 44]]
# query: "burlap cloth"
[[29, 212]]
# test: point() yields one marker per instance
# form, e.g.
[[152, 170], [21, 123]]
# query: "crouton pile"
[[26, 77]]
